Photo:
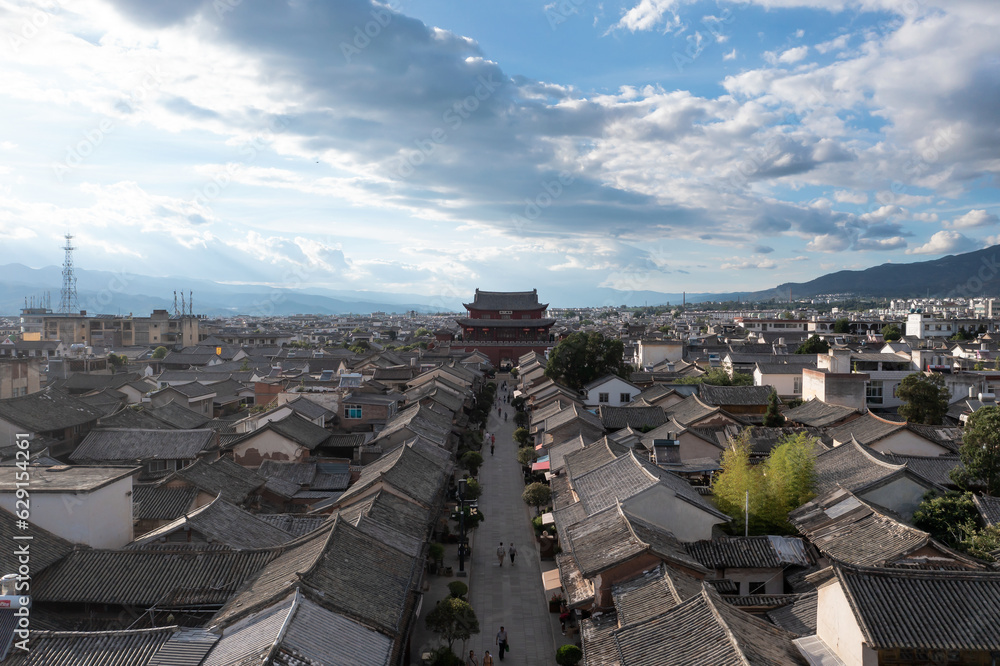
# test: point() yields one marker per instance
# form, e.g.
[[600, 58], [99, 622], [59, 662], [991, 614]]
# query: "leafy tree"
[[526, 455], [458, 589], [925, 398], [813, 346], [891, 332], [774, 418], [664, 329], [983, 543], [521, 419], [842, 326], [980, 451], [738, 477], [583, 357], [117, 360], [421, 332], [159, 352], [568, 655], [537, 494], [718, 377], [453, 619], [790, 477], [949, 518], [472, 461], [522, 437], [443, 656], [245, 365], [473, 489]]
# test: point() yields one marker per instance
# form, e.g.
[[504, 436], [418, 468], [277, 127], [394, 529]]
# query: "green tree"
[[421, 332], [738, 477], [526, 455], [472, 461], [774, 418], [891, 332], [789, 478], [473, 489], [813, 346], [842, 326], [537, 494], [980, 451], [453, 619], [159, 352], [521, 419], [925, 398], [719, 377], [949, 518], [583, 357], [983, 543], [117, 360], [522, 437]]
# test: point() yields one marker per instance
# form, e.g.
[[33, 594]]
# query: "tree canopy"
[[719, 377], [454, 619], [780, 484], [891, 332], [774, 418], [585, 356], [814, 345], [925, 398], [159, 352], [537, 494], [842, 326], [980, 451]]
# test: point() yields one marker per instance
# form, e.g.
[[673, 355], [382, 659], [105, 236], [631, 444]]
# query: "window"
[[157, 466], [757, 588], [797, 385], [625, 397], [602, 397], [352, 411], [873, 392]]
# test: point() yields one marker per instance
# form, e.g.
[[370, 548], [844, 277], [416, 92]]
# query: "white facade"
[[925, 325], [100, 518], [612, 391], [652, 352]]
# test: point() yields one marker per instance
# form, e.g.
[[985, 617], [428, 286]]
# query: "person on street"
[[502, 641], [472, 661], [501, 553], [492, 446], [487, 659], [512, 552]]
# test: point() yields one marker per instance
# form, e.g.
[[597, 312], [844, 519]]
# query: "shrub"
[[458, 589], [569, 655]]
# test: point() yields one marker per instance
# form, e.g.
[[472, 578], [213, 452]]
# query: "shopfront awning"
[[550, 580], [540, 465]]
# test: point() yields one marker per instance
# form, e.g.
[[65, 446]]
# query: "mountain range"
[[970, 274]]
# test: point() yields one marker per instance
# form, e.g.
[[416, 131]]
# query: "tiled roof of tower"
[[506, 300]]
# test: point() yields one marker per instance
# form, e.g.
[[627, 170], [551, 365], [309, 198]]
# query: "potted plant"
[[435, 557], [555, 601]]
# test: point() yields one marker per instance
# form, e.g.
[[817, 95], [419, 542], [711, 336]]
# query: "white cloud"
[[648, 14], [729, 56], [737, 263], [945, 242], [836, 44], [974, 218], [794, 54], [850, 196]]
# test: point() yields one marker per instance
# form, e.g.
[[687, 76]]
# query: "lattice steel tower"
[[68, 303]]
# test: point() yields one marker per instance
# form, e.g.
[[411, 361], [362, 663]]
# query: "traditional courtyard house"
[[757, 565], [159, 452], [49, 414], [818, 414], [218, 524], [195, 396], [292, 438], [235, 483], [887, 436], [639, 418]]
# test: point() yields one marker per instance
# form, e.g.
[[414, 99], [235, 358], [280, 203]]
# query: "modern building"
[[116, 331]]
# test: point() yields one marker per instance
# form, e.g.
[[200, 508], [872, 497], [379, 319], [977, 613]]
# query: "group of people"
[[502, 647], [503, 553]]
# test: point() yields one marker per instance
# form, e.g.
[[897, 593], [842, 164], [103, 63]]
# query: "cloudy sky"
[[436, 146]]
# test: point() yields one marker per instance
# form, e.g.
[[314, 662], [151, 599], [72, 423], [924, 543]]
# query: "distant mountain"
[[961, 275], [105, 292]]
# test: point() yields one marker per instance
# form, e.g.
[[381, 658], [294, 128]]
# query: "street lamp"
[[462, 483]]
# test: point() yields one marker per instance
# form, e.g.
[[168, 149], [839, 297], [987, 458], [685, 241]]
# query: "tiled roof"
[[798, 617], [44, 546], [557, 452], [236, 483], [989, 508], [406, 469], [299, 430], [394, 512], [355, 574], [932, 468], [48, 410], [757, 552], [154, 502], [850, 466], [308, 408], [296, 524], [929, 610], [589, 458], [949, 438], [602, 541], [122, 444], [138, 419], [867, 429], [734, 395], [218, 523], [818, 414], [705, 631], [691, 410], [178, 416], [134, 647], [505, 300], [147, 577], [652, 593], [579, 588], [847, 529], [616, 418]]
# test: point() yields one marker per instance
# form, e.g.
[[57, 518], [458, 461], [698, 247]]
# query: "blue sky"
[[432, 146]]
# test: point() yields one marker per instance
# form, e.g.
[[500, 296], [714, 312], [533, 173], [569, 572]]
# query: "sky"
[[437, 146]]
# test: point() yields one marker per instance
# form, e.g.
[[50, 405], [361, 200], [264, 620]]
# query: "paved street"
[[511, 596]]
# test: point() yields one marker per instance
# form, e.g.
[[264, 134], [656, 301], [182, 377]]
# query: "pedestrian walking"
[[501, 553], [492, 446], [512, 552], [472, 661], [487, 659], [493, 439], [501, 642]]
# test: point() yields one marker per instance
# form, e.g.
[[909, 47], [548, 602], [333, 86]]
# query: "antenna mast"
[[68, 303]]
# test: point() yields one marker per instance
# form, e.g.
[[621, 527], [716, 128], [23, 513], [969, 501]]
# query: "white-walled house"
[[649, 353], [609, 390], [924, 325], [84, 504]]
